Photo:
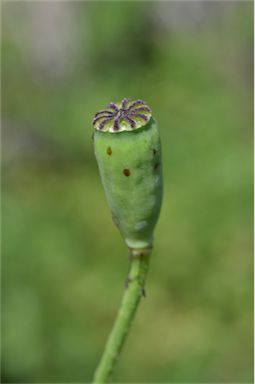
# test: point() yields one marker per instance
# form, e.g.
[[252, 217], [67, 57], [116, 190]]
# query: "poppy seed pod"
[[128, 153]]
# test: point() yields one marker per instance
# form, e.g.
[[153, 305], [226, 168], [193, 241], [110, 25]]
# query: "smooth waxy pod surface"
[[128, 152]]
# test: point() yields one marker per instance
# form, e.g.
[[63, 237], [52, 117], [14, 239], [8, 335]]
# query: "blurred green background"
[[64, 263]]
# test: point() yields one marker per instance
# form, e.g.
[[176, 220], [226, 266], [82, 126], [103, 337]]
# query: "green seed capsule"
[[128, 152]]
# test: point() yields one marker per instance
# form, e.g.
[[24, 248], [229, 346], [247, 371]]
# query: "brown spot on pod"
[[109, 151], [126, 172]]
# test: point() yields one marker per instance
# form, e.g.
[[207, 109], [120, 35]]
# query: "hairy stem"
[[135, 289]]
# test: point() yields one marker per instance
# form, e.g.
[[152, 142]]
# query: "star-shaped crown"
[[125, 116]]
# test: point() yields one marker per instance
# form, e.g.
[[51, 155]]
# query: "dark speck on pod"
[[115, 220], [109, 151], [154, 151], [126, 172], [156, 166]]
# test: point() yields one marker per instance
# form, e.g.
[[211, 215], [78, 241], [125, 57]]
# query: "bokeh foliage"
[[64, 263]]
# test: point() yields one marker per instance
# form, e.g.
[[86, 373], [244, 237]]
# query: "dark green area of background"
[[64, 263]]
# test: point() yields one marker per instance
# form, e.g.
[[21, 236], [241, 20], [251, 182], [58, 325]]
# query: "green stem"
[[137, 276]]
